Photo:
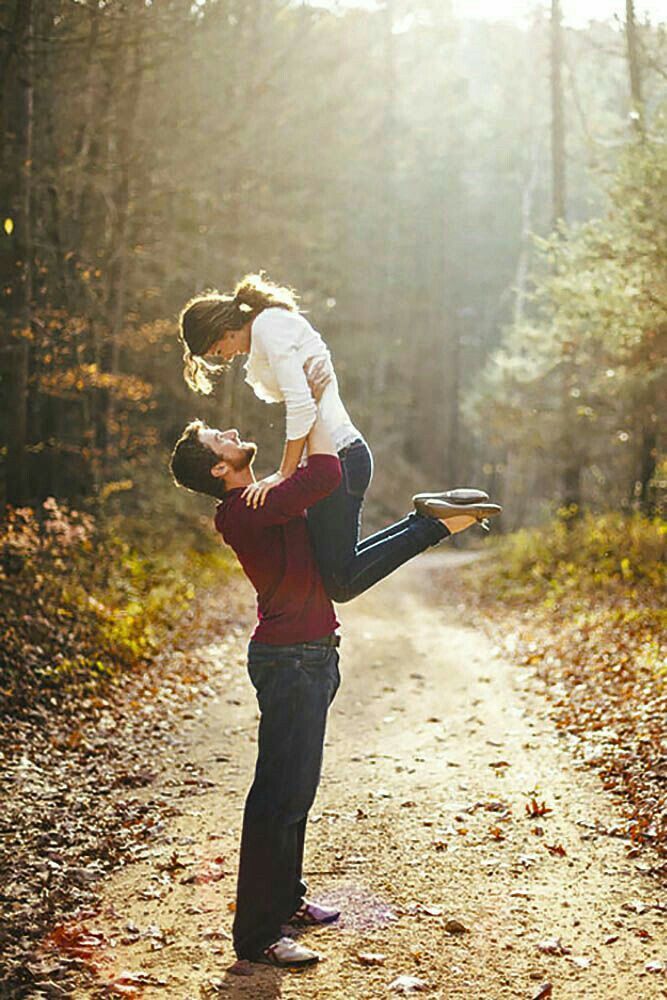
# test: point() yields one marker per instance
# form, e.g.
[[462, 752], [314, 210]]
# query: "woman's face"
[[230, 344]]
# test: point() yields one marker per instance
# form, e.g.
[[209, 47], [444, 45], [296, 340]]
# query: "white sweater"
[[281, 341]]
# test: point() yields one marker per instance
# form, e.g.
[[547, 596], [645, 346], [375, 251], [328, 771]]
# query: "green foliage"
[[578, 381], [79, 602], [594, 556]]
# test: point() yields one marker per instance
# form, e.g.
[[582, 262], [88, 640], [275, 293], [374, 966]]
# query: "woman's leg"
[[348, 566], [335, 522]]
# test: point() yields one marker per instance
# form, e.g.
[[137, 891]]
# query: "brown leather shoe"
[[431, 506], [465, 495]]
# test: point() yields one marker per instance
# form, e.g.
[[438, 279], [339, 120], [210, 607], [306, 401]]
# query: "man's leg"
[[300, 886], [295, 686]]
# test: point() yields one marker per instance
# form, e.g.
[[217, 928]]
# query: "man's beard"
[[244, 460]]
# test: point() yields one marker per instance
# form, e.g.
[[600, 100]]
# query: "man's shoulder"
[[237, 521], [229, 509]]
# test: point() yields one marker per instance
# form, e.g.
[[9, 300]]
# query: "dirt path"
[[435, 747]]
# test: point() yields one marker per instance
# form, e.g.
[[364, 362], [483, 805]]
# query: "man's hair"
[[191, 463]]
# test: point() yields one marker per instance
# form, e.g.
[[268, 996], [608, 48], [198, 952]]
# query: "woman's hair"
[[205, 318]]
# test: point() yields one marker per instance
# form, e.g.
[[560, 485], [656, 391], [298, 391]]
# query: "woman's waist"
[[332, 410]]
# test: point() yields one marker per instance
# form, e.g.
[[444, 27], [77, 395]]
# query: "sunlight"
[[576, 13]]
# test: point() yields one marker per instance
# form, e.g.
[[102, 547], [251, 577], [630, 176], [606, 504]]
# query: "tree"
[[18, 196]]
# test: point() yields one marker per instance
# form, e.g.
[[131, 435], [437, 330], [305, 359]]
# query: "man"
[[292, 662], [293, 665]]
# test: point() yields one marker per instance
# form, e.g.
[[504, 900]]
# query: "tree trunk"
[[634, 69], [116, 301], [388, 301], [21, 298], [571, 461], [558, 190]]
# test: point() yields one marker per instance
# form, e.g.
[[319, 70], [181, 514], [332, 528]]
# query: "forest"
[[473, 213]]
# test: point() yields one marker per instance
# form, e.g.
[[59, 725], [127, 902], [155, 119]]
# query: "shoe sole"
[[288, 965]]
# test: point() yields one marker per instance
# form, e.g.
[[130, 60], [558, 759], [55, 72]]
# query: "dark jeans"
[[295, 686], [349, 566]]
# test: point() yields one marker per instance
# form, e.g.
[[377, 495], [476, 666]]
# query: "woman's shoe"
[[432, 506], [466, 495]]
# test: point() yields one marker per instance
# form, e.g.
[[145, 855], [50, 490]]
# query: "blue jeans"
[[349, 566], [295, 686]]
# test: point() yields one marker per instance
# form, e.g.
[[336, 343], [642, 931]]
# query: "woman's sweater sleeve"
[[279, 336]]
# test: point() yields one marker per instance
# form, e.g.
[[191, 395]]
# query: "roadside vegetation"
[[581, 601], [83, 599]]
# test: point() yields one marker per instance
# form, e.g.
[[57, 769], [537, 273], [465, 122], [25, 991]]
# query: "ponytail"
[[257, 292]]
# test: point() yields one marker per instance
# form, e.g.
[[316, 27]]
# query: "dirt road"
[[436, 747]]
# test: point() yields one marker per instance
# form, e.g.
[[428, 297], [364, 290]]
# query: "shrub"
[[79, 603], [599, 553]]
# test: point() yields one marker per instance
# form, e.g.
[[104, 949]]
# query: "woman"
[[286, 357]]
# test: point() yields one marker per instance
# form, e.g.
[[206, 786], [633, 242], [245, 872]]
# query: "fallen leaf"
[[545, 990], [408, 984], [635, 906], [557, 849], [172, 864], [211, 871], [552, 946], [371, 958], [76, 940], [453, 926], [655, 966], [134, 979], [535, 808]]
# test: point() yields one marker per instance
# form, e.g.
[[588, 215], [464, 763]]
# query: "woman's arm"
[[317, 375], [292, 453]]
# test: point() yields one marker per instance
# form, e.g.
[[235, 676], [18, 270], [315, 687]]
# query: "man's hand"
[[255, 494], [318, 376]]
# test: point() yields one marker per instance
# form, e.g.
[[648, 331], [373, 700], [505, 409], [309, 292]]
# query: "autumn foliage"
[[78, 603]]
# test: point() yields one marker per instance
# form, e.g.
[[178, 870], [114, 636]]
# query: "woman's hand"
[[318, 376], [255, 494]]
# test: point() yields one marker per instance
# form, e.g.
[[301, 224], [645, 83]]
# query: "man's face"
[[229, 447]]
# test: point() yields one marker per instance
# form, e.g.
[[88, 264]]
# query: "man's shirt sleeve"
[[301, 490]]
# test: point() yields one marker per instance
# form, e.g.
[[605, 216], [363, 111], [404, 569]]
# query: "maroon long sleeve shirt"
[[273, 547]]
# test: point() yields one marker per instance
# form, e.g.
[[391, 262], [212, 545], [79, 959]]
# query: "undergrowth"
[[82, 600]]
